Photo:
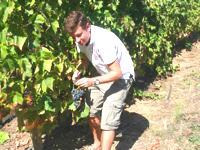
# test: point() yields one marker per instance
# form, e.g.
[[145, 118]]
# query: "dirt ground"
[[169, 121]]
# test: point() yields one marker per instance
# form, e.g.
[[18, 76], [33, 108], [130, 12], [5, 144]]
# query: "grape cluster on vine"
[[77, 96]]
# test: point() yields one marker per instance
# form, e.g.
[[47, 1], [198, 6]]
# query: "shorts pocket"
[[113, 116]]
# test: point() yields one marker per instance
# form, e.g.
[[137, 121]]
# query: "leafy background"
[[37, 58]]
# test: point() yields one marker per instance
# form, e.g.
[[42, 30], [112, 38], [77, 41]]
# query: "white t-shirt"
[[104, 48]]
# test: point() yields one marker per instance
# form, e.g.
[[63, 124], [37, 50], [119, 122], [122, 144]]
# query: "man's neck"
[[88, 40]]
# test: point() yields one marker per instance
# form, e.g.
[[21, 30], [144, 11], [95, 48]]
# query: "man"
[[107, 92]]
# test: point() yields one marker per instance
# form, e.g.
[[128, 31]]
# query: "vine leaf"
[[4, 137]]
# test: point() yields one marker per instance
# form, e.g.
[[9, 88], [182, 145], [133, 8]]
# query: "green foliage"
[[4, 137], [195, 140], [37, 57], [145, 95], [148, 28]]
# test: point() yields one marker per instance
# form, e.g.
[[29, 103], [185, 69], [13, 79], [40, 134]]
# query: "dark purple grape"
[[73, 91], [77, 94]]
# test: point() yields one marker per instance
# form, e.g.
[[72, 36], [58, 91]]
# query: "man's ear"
[[88, 26]]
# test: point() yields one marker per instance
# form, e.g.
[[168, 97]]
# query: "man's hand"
[[85, 82], [76, 76]]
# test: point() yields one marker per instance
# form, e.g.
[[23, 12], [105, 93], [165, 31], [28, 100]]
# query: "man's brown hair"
[[74, 19]]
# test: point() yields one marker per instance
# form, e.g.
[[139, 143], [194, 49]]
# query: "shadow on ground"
[[132, 127], [79, 136], [68, 137]]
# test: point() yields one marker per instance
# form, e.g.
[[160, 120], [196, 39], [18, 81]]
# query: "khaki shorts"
[[107, 101]]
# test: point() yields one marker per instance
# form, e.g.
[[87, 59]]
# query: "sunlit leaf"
[[4, 52], [72, 107], [21, 41], [45, 53], [55, 26], [49, 82], [60, 67], [3, 35], [44, 86], [32, 3], [85, 112], [59, 2], [4, 137], [40, 19], [37, 69], [47, 65], [17, 99], [5, 17]]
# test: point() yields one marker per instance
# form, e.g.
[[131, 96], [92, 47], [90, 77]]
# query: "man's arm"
[[115, 73], [84, 64]]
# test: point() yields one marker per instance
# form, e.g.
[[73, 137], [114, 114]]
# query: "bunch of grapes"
[[77, 96]]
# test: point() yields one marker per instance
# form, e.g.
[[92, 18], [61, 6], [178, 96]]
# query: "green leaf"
[[11, 64], [4, 137], [85, 112], [27, 68], [48, 105], [17, 99], [37, 87], [36, 42], [55, 25], [40, 19], [60, 67], [49, 82], [32, 3], [4, 52], [44, 86], [20, 63], [37, 69], [45, 53], [29, 12], [3, 5], [3, 35], [21, 41], [47, 65], [32, 58], [11, 84], [72, 107], [5, 17], [59, 2]]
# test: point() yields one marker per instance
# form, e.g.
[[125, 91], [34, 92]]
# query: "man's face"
[[81, 36]]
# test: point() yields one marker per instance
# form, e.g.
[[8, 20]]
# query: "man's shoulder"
[[102, 33], [98, 29]]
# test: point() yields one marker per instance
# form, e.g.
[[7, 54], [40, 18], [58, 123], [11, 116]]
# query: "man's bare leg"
[[107, 138], [95, 123]]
